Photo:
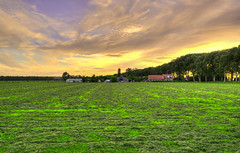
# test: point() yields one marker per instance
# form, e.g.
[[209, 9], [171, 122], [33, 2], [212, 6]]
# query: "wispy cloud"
[[139, 25], [114, 55], [8, 60]]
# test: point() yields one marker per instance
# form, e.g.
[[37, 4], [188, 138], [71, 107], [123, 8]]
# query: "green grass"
[[119, 117]]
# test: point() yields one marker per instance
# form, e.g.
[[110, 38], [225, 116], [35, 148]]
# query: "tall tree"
[[119, 72], [129, 71], [192, 67], [65, 76], [93, 78], [209, 61], [224, 63], [189, 65], [178, 67], [200, 66], [234, 63]]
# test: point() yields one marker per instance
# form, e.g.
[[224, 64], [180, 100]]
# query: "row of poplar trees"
[[214, 66]]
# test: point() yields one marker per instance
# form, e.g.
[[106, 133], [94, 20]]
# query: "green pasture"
[[119, 117]]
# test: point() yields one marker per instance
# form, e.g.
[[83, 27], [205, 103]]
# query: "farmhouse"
[[74, 80], [122, 79], [164, 77]]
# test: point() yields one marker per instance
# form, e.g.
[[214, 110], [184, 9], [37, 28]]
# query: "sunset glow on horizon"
[[86, 37]]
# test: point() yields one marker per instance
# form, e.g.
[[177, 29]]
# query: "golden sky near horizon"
[[86, 37]]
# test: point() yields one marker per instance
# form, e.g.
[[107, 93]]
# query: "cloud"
[[81, 56], [21, 26], [142, 25], [98, 68], [163, 57], [102, 3], [8, 60], [108, 30], [113, 55]]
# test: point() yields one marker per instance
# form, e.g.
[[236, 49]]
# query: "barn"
[[74, 80], [164, 77]]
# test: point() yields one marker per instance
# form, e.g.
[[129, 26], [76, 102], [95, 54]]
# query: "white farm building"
[[74, 80]]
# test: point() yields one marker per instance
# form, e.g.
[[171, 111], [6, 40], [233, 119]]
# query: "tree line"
[[92, 78], [213, 66], [27, 78]]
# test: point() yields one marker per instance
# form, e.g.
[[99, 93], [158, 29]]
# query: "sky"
[[86, 37]]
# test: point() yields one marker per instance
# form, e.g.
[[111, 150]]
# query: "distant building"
[[155, 77], [168, 77], [108, 80], [74, 80], [122, 79], [164, 77]]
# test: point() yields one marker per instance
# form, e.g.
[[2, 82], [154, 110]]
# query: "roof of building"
[[155, 77], [159, 77], [167, 74]]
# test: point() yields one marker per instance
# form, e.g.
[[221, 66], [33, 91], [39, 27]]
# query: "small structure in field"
[[164, 77], [74, 80], [108, 80], [122, 79]]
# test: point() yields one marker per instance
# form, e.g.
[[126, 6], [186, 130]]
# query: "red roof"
[[160, 77], [156, 77]]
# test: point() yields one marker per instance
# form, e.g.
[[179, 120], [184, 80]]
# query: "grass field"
[[119, 117]]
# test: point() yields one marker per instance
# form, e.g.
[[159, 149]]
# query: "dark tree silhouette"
[[65, 76]]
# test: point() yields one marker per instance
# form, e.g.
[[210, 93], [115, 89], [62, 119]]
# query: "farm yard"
[[119, 117]]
